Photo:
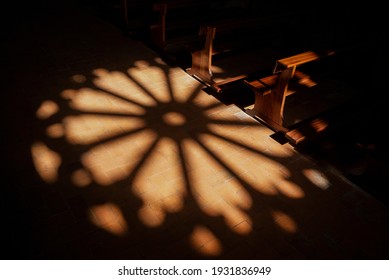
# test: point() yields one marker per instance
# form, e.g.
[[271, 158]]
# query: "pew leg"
[[158, 31], [270, 107], [202, 59], [266, 109], [201, 66], [125, 12]]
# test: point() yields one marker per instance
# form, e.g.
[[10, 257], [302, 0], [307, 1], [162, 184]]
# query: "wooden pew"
[[234, 35], [136, 15], [271, 93], [176, 22], [175, 15]]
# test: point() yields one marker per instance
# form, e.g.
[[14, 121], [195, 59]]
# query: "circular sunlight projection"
[[153, 133]]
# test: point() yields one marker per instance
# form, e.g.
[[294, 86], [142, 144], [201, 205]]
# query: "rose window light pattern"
[[149, 147]]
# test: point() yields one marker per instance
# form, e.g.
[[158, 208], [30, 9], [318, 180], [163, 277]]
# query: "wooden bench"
[[176, 22], [136, 15], [271, 93], [235, 35]]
